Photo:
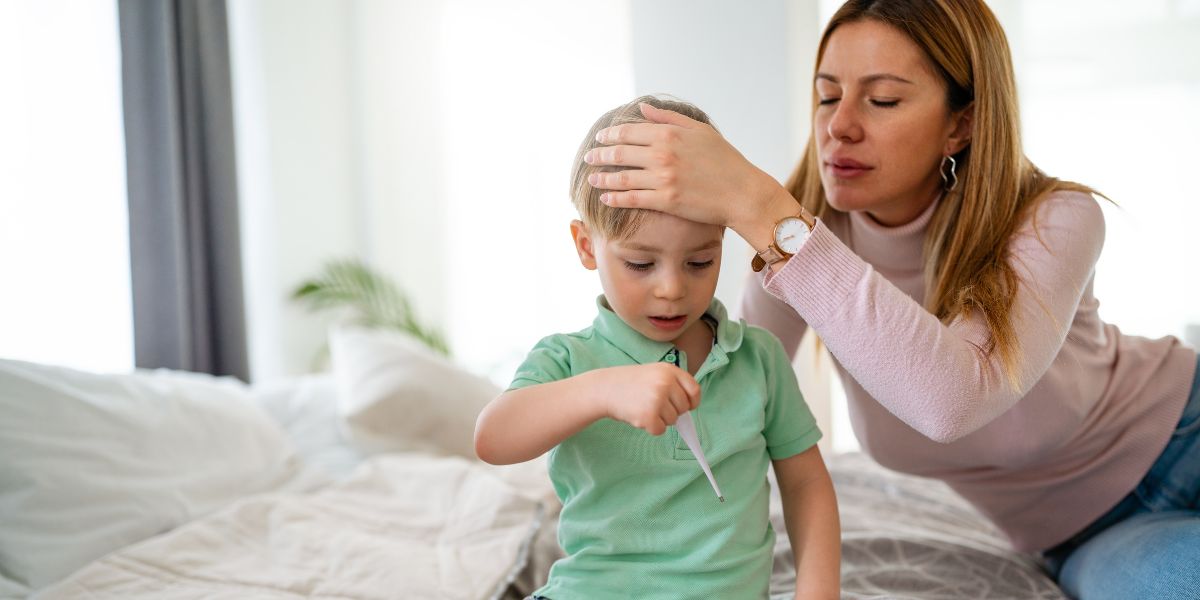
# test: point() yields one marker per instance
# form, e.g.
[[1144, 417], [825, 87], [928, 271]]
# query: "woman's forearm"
[[756, 224]]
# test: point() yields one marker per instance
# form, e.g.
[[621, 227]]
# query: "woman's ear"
[[960, 136], [584, 244]]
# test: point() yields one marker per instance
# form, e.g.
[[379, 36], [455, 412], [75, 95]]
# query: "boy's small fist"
[[650, 397]]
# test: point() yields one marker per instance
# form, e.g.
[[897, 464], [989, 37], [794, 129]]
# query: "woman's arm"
[[760, 308], [938, 378], [811, 514], [523, 424]]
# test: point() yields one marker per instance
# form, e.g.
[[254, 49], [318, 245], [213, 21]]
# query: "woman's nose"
[[844, 125]]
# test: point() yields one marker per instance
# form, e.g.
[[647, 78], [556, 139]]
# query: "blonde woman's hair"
[[966, 261], [606, 221]]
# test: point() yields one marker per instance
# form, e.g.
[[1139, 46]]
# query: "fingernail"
[[587, 158], [600, 136], [593, 178], [605, 198]]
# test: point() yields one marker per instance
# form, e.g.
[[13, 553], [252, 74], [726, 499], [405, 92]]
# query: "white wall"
[[400, 151], [299, 183]]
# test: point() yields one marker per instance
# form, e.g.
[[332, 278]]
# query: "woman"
[[952, 282]]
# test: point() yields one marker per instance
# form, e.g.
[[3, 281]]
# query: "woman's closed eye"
[[879, 102]]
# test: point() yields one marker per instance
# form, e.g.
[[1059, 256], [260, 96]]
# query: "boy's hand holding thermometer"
[[652, 396]]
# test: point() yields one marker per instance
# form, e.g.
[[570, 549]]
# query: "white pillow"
[[92, 463], [396, 395]]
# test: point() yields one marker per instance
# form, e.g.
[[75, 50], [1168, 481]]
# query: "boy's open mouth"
[[668, 323]]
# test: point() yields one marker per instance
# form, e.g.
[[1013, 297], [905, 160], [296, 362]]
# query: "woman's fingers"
[[647, 199], [628, 179], [662, 115], [624, 156], [664, 128], [638, 134]]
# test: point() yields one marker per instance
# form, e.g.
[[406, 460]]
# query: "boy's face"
[[661, 279]]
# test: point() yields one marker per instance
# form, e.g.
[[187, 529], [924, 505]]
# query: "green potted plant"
[[370, 298]]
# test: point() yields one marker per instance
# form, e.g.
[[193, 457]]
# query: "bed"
[[358, 483]]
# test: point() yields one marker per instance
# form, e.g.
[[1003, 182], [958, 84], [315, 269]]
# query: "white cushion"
[[395, 394], [92, 463]]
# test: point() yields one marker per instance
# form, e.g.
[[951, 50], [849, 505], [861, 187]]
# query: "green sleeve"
[[790, 426], [549, 361]]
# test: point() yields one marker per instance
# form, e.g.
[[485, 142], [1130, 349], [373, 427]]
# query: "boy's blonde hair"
[[604, 220]]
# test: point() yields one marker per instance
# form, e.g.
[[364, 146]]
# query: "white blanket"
[[413, 526]]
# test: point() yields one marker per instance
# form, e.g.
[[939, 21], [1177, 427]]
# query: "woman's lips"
[[846, 168], [668, 323]]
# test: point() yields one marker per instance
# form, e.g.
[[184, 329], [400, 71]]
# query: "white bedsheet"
[[414, 526]]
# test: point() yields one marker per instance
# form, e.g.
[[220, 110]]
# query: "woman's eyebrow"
[[867, 78]]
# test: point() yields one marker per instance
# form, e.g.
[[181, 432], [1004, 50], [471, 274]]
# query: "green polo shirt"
[[639, 517]]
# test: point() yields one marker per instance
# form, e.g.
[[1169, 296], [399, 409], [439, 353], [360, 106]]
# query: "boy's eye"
[[634, 266], [701, 265]]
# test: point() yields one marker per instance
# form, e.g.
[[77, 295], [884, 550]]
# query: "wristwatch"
[[790, 233]]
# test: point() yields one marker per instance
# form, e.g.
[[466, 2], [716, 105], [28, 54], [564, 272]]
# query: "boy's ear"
[[584, 244]]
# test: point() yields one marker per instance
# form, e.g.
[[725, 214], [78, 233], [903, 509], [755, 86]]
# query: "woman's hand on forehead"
[[677, 166]]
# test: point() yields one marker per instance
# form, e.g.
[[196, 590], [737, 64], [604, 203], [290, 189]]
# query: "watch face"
[[790, 234]]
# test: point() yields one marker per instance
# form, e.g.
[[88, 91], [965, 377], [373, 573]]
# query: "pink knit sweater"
[[1094, 407]]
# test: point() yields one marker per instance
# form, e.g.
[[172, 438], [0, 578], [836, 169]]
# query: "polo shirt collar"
[[645, 350]]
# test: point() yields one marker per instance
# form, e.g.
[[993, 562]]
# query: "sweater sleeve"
[[937, 377], [764, 310]]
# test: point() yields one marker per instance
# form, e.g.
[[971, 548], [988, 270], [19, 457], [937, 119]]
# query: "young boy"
[[640, 518]]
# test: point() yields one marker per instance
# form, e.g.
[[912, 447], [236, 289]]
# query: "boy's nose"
[[670, 286]]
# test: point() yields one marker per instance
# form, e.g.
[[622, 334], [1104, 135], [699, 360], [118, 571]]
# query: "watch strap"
[[773, 253]]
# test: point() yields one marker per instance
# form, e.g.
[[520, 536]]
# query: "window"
[[1108, 97], [64, 250]]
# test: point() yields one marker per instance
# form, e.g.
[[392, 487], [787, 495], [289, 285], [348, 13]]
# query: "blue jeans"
[[1148, 546]]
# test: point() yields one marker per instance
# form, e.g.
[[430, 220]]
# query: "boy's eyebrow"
[[647, 248]]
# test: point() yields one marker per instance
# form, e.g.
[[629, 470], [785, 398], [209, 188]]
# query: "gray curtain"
[[183, 209]]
